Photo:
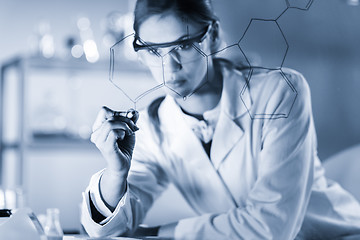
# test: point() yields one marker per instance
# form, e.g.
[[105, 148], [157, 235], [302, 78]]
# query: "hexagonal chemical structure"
[[177, 63], [147, 98], [299, 4], [267, 102], [139, 83], [264, 44], [233, 54]]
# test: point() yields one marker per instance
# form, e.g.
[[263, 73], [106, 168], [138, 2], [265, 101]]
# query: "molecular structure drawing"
[[277, 42], [272, 42], [136, 93], [299, 4]]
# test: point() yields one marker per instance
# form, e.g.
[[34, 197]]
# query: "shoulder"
[[149, 121], [145, 144], [297, 80], [275, 93], [144, 124], [279, 82], [258, 79], [154, 124]]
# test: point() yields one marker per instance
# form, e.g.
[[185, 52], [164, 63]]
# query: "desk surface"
[[78, 237], [82, 237]]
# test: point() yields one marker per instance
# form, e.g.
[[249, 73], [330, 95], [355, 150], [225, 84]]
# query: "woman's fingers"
[[127, 120], [119, 128], [118, 134], [113, 138], [132, 114], [102, 116], [111, 128], [135, 116], [130, 117]]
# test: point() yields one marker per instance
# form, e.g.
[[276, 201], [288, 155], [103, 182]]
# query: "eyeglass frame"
[[199, 38]]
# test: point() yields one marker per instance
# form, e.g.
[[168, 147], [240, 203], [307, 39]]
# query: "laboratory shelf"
[[21, 78]]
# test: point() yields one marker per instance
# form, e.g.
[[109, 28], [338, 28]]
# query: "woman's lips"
[[175, 83]]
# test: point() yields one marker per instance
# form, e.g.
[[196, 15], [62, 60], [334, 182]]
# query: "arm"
[[123, 208], [277, 202]]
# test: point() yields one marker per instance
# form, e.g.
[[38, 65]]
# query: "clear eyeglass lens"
[[184, 53]]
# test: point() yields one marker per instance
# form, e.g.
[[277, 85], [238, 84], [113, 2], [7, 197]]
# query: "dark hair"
[[198, 11], [154, 116]]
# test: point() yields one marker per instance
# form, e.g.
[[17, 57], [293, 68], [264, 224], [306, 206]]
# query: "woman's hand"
[[113, 134]]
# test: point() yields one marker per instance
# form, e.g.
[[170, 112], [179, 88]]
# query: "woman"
[[246, 178]]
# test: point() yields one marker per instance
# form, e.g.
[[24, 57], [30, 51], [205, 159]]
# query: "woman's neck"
[[207, 96], [199, 104]]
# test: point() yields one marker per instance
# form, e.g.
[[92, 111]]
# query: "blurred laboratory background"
[[54, 58]]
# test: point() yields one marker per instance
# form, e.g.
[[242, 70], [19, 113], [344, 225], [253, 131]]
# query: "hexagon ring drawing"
[[233, 54], [138, 84], [299, 4], [236, 57], [268, 95], [264, 44]]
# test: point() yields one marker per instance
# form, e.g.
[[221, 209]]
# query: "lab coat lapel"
[[183, 141], [188, 148], [227, 135], [227, 132]]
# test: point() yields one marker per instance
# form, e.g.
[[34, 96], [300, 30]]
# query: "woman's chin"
[[178, 92]]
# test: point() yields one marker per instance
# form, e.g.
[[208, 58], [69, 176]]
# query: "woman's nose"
[[171, 62]]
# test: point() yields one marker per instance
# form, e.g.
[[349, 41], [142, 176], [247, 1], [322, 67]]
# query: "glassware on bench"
[[52, 227]]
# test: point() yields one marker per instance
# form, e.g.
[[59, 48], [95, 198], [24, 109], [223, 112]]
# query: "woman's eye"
[[185, 46], [152, 51]]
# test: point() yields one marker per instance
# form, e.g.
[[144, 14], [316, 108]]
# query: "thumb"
[[102, 116]]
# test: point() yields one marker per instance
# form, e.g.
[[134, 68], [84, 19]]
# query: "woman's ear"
[[215, 38]]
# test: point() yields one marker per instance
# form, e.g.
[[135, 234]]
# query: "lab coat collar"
[[181, 137], [227, 132], [184, 144]]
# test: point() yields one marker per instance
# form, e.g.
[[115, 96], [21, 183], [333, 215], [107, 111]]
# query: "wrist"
[[116, 178], [115, 173], [113, 186]]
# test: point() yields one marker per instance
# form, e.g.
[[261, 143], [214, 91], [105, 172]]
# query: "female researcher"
[[245, 178]]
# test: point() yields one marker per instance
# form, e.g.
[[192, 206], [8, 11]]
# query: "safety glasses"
[[184, 50]]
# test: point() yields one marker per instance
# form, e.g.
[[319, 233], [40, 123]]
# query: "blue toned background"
[[323, 46]]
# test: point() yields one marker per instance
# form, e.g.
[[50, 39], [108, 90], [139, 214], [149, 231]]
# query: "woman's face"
[[183, 68]]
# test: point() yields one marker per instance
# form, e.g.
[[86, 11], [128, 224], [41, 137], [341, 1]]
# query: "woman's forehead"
[[166, 28]]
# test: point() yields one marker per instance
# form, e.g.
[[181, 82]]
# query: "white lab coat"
[[262, 181]]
